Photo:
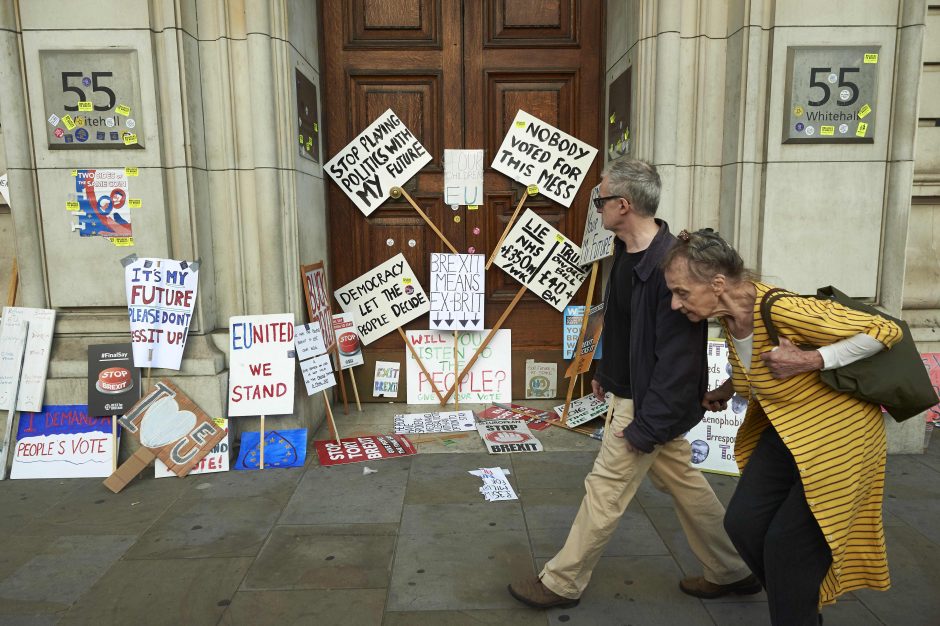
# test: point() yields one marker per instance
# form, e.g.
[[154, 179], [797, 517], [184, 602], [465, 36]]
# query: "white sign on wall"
[[32, 351], [598, 242], [489, 380], [261, 365], [318, 374], [308, 340], [463, 177], [457, 291]]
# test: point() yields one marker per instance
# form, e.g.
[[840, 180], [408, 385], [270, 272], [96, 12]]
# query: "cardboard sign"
[[318, 374], [308, 341], [463, 177], [348, 343], [385, 381], [384, 155], [215, 461], [571, 328], [384, 298], [358, 449], [598, 242], [103, 209], [282, 448], [489, 380], [502, 436], [932, 363], [453, 421], [589, 344], [161, 295], [62, 442], [542, 259], [317, 296], [541, 379], [261, 365], [496, 485], [113, 381], [24, 356], [584, 409], [536, 153], [457, 291], [535, 419], [713, 438]]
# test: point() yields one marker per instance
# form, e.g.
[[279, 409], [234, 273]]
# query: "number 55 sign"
[[831, 94], [91, 99]]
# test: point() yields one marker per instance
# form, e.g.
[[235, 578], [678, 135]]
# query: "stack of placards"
[[314, 362], [584, 409], [453, 421], [502, 436]]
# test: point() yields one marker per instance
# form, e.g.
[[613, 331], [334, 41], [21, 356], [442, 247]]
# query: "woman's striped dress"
[[838, 442]]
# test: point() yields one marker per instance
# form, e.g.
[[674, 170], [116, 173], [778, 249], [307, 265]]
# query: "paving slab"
[[547, 470], [24, 504], [445, 478], [359, 607], [461, 518], [518, 617], [912, 492], [275, 484]]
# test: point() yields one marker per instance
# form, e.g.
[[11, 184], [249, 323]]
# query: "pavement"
[[412, 544]]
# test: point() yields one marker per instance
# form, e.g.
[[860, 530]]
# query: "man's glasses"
[[600, 202]]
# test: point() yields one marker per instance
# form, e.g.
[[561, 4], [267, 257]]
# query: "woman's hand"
[[787, 360], [717, 398]]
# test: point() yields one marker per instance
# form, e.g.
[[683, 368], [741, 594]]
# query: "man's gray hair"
[[637, 181]]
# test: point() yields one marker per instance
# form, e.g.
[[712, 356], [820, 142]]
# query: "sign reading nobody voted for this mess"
[[384, 155]]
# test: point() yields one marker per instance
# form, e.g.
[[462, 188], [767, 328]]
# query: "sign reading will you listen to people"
[[384, 155], [536, 153]]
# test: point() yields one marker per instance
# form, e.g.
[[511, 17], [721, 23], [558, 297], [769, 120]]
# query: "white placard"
[[384, 155], [541, 379], [584, 409], [308, 340], [489, 380], [495, 484], [463, 177], [598, 242], [318, 374], [536, 153], [385, 380], [457, 291], [502, 436], [35, 356], [62, 442], [261, 365], [215, 461], [348, 342], [443, 422], [542, 259], [384, 298]]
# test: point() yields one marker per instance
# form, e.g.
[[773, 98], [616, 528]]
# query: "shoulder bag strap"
[[766, 302]]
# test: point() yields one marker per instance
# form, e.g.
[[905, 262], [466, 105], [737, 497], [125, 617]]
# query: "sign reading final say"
[[384, 155], [536, 153], [261, 370]]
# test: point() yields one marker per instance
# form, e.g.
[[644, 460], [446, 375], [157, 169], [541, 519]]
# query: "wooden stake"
[[334, 356], [114, 438], [329, 416], [352, 377], [14, 283], [399, 191], [8, 437], [577, 345], [261, 459], [423, 368], [486, 341], [456, 373], [499, 244]]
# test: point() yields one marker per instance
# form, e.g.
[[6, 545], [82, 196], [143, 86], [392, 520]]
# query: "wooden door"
[[456, 72]]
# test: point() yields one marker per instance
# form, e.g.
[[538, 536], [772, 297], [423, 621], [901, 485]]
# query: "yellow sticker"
[[626, 134], [405, 281], [133, 203], [862, 129], [309, 143], [520, 124], [865, 110], [559, 238], [122, 242], [871, 57], [122, 109], [130, 171], [85, 105], [613, 118], [619, 144], [797, 111], [219, 421], [300, 138], [827, 130], [456, 219], [130, 139], [473, 207], [71, 205], [74, 172], [316, 127], [532, 190], [80, 120], [69, 123]]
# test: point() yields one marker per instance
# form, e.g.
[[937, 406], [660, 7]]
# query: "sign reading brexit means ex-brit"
[[261, 365], [384, 155], [536, 153]]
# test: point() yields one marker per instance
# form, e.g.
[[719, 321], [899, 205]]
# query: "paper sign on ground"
[[541, 379], [589, 344], [282, 448], [495, 484], [32, 351], [384, 298], [113, 381], [347, 340], [384, 155], [536, 153], [61, 441], [385, 381], [443, 422], [598, 242], [261, 365], [501, 436], [318, 374], [308, 340], [103, 207], [584, 409], [318, 301], [215, 461], [542, 259], [161, 295], [536, 419], [713, 438], [571, 328], [489, 380], [358, 449], [457, 291], [463, 177]]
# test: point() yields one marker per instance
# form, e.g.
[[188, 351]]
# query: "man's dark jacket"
[[668, 365]]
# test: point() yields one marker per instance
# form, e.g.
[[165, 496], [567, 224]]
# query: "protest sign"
[[384, 155], [535, 419], [489, 380], [317, 296], [384, 298], [282, 448], [161, 296], [541, 379], [308, 340], [113, 381], [261, 365], [536, 153], [713, 438], [4, 189], [598, 242], [318, 374], [101, 202], [443, 422], [501, 436], [25, 360], [463, 177], [584, 409], [347, 341], [368, 448], [571, 327], [62, 441], [589, 344], [385, 381], [496, 485], [932, 363], [542, 259], [215, 461], [170, 427], [457, 291]]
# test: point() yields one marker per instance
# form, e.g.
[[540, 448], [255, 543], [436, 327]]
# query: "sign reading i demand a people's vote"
[[383, 299], [384, 155], [536, 153], [261, 365]]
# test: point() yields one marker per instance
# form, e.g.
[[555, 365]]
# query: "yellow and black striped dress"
[[837, 441]]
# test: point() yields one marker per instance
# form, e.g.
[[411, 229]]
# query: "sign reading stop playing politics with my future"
[[384, 155], [261, 370], [536, 153]]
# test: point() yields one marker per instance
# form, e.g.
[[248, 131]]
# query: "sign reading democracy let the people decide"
[[457, 284], [536, 153], [384, 155], [384, 298], [261, 365], [161, 295], [542, 259]]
